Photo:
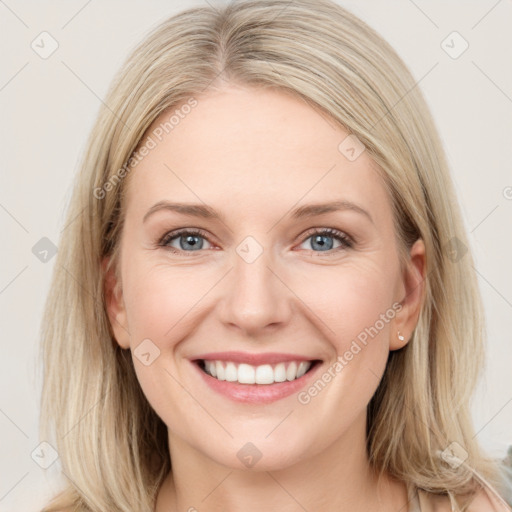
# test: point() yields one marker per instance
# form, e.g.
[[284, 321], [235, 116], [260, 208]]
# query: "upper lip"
[[253, 359]]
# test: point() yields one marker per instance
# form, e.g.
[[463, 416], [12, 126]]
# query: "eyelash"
[[347, 242]]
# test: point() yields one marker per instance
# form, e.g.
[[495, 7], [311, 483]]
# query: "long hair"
[[112, 445]]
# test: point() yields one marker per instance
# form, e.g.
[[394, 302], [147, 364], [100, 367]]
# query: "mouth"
[[264, 374]]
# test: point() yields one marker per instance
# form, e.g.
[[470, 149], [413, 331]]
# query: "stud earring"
[[400, 337]]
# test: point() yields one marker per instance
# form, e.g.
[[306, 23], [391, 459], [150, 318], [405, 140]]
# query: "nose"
[[255, 298]]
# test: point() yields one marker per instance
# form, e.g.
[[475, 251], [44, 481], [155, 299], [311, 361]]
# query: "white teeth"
[[221, 373], [231, 374], [280, 372], [302, 369], [246, 374], [291, 372], [263, 374]]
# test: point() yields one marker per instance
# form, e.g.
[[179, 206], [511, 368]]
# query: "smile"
[[268, 379], [249, 374]]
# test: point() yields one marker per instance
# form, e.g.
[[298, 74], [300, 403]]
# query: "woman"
[[268, 300]]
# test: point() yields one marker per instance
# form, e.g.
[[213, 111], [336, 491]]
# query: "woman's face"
[[257, 277]]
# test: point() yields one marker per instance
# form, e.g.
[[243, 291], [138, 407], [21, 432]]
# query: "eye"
[[191, 240], [320, 239], [186, 239]]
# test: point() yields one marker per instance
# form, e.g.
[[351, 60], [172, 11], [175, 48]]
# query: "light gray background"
[[48, 107]]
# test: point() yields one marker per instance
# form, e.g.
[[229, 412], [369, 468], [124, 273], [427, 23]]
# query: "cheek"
[[160, 308], [357, 305], [160, 302], [364, 327], [353, 300]]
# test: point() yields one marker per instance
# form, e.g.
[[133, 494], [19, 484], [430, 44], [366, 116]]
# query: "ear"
[[115, 305], [412, 296]]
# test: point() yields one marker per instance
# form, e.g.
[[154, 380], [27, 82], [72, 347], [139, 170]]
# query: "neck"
[[337, 478]]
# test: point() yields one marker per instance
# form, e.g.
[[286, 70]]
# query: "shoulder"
[[484, 500], [487, 500]]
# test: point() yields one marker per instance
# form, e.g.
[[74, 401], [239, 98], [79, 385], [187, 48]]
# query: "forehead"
[[252, 147]]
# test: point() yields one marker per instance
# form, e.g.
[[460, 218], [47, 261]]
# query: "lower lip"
[[256, 393]]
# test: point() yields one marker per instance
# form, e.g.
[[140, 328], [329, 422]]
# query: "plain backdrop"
[[47, 109]]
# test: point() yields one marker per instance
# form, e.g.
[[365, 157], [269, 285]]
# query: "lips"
[[256, 384], [254, 359], [247, 368], [235, 372], [263, 374]]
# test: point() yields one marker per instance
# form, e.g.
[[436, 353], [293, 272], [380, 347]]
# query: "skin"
[[253, 156]]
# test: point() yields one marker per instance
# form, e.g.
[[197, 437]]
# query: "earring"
[[400, 337]]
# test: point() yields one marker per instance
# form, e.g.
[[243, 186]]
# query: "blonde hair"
[[112, 445]]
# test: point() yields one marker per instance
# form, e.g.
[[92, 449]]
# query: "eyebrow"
[[306, 211]]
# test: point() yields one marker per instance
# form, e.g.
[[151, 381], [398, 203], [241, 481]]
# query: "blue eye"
[[193, 239], [188, 239], [320, 239]]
